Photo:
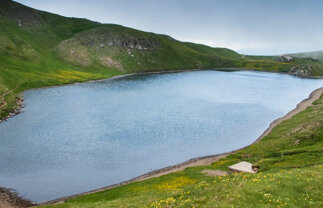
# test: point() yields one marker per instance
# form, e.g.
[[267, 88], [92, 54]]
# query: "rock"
[[215, 173], [242, 167], [301, 70], [125, 41], [108, 61], [285, 58], [17, 110]]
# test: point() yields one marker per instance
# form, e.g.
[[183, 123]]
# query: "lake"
[[75, 138]]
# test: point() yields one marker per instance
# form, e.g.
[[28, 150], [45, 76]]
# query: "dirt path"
[[201, 161]]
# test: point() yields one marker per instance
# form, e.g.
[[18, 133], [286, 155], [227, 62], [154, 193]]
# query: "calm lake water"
[[75, 138]]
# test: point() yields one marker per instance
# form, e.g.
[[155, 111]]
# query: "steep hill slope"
[[27, 38], [39, 49], [131, 50]]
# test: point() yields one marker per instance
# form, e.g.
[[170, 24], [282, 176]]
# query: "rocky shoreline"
[[9, 198], [16, 110], [303, 71]]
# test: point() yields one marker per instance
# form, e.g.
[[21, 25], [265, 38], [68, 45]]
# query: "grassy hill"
[[290, 161], [318, 55], [39, 49]]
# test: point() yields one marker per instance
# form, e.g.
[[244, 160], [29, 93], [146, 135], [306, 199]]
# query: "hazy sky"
[[247, 26]]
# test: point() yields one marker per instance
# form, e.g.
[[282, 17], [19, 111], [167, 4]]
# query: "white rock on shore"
[[242, 167]]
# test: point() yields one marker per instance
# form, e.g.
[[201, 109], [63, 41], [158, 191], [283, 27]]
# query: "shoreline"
[[199, 161], [9, 198], [170, 72], [276, 72], [19, 101]]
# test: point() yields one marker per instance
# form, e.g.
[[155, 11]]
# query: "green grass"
[[290, 161]]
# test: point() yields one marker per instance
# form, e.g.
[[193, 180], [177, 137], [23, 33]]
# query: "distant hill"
[[315, 55], [40, 49]]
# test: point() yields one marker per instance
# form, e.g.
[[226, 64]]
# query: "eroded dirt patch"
[[10, 199], [215, 173]]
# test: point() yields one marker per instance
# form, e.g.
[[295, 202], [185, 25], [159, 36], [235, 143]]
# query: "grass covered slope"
[[290, 161], [131, 50], [314, 55], [39, 49], [27, 40]]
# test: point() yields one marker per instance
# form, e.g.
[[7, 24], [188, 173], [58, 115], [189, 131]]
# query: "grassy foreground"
[[290, 159]]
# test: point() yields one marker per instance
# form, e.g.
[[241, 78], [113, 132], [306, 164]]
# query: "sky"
[[259, 27]]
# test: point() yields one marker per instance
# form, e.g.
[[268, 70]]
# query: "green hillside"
[[39, 49], [318, 55]]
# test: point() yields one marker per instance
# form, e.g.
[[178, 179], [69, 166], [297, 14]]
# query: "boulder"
[[301, 70], [242, 167]]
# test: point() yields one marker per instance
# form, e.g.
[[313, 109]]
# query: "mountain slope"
[[39, 49], [132, 50]]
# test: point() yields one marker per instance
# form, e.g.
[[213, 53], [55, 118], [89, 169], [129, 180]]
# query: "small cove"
[[75, 138]]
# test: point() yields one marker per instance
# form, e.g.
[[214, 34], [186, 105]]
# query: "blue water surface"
[[75, 138]]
